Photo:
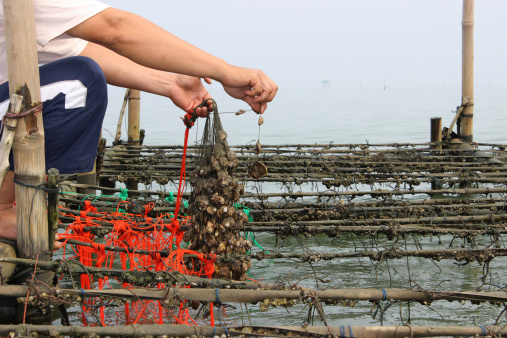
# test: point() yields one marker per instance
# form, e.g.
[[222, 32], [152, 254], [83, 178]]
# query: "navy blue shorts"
[[74, 101]]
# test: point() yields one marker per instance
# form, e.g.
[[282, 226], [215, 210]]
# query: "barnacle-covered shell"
[[258, 148], [210, 227], [221, 248], [231, 155], [222, 135], [222, 211], [217, 199], [225, 180], [257, 170], [228, 222], [261, 120], [211, 210]]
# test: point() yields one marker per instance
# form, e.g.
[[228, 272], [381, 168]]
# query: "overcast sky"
[[299, 43]]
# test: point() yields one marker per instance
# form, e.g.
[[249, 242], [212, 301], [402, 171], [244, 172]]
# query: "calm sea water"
[[322, 115]]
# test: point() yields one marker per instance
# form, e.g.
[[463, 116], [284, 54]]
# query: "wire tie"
[[342, 331], [384, 293], [218, 298]]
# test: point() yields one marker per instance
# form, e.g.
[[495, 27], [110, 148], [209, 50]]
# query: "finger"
[[262, 97], [264, 106], [201, 111], [255, 89], [273, 92], [207, 80], [256, 107]]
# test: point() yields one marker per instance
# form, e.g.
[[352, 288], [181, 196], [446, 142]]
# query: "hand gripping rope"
[[189, 120]]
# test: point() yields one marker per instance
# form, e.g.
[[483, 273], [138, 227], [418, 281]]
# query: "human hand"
[[188, 92], [250, 85]]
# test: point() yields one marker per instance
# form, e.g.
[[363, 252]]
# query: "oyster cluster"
[[215, 222]]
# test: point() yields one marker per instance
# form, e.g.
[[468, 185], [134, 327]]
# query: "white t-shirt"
[[52, 19]]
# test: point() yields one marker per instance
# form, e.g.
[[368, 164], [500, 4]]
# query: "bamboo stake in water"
[[468, 71]]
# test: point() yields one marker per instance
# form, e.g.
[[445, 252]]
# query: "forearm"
[[120, 71], [149, 45]]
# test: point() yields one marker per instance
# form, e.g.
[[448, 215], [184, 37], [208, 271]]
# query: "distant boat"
[[325, 83]]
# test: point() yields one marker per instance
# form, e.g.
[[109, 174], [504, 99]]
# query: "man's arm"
[[151, 46], [185, 91]]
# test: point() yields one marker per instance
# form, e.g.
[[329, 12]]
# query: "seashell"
[[222, 229], [226, 190], [187, 235], [210, 227], [233, 163], [242, 277], [211, 210], [216, 165], [229, 250], [221, 248], [240, 112], [210, 241], [218, 150], [258, 148], [193, 177], [224, 162], [261, 120], [232, 241], [249, 264], [222, 135], [230, 212], [235, 195], [222, 211], [228, 222], [221, 174], [248, 245], [225, 180], [244, 267], [231, 155], [241, 189], [239, 224], [217, 199], [213, 251], [257, 170], [235, 183], [223, 272]]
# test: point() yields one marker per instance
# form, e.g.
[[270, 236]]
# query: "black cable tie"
[[42, 186]]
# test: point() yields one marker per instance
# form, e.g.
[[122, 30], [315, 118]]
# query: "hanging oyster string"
[[215, 222]]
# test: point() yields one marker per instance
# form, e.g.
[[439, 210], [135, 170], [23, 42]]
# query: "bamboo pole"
[[8, 136], [120, 119], [466, 125], [164, 330], [134, 109], [28, 145], [436, 132], [134, 119], [53, 208]]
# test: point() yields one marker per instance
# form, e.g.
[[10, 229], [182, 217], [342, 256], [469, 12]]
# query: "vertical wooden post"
[[466, 125], [134, 116], [28, 145], [53, 182], [436, 132], [134, 113]]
